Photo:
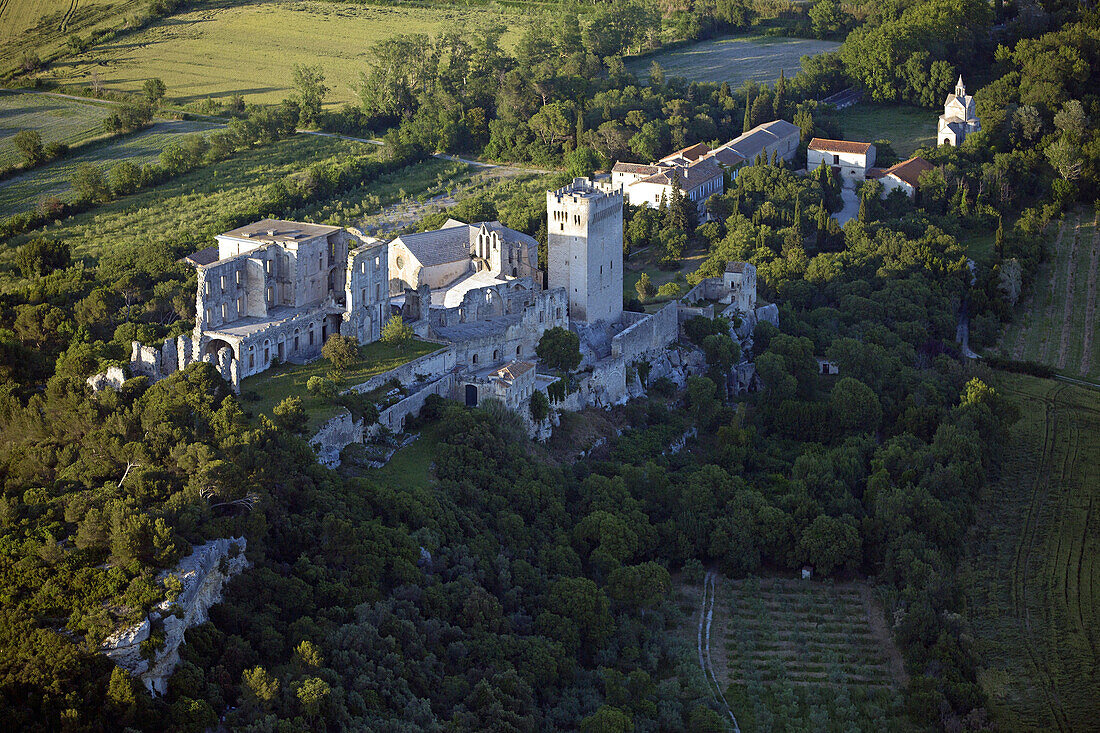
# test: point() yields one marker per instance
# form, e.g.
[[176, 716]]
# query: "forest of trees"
[[545, 604]]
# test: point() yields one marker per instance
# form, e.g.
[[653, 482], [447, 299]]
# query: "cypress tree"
[[780, 92], [798, 214], [748, 113], [999, 243]]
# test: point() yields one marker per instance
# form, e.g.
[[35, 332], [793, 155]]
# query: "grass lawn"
[[225, 48], [1056, 323], [638, 263], [1033, 569], [56, 120], [734, 59], [410, 467], [24, 191], [907, 128], [275, 385]]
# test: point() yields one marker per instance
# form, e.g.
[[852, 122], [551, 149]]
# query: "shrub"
[[29, 145], [321, 387], [341, 351]]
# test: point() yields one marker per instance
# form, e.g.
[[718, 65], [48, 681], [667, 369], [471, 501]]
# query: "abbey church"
[[959, 118]]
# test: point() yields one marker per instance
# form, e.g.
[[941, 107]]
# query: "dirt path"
[[1090, 301], [1052, 298], [706, 617], [1067, 309], [881, 634]]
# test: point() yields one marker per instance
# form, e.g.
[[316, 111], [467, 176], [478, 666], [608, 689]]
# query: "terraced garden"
[[1057, 325], [803, 655], [1034, 567]]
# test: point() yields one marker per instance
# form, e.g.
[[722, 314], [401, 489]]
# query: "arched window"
[[296, 332], [496, 354], [475, 359]]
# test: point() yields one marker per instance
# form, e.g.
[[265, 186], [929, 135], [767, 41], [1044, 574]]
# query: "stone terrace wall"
[[330, 438], [655, 332], [394, 416], [437, 362]]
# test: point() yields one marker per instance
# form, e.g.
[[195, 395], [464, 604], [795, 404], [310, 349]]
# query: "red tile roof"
[[909, 170], [839, 146]]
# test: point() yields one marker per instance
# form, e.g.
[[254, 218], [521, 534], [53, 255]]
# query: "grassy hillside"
[[735, 60], [23, 192], [56, 119], [250, 48], [1034, 568], [44, 26], [1057, 324]]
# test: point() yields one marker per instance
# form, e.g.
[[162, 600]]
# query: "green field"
[[56, 119], [1034, 565], [802, 655], [907, 128], [43, 26], [250, 48], [24, 191], [734, 60], [1056, 324], [264, 391]]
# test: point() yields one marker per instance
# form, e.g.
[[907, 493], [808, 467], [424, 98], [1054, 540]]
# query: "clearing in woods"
[[250, 48], [815, 654], [1034, 564], [734, 60], [906, 127], [1056, 324]]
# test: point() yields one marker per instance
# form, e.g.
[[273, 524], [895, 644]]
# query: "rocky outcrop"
[[113, 378], [203, 574]]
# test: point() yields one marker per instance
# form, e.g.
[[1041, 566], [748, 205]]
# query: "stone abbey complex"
[[274, 291]]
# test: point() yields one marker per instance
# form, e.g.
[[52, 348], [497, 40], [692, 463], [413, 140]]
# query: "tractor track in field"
[[1090, 302], [3, 7], [706, 616], [1020, 569], [68, 16], [1071, 285]]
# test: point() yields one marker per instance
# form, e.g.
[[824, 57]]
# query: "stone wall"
[[655, 332], [393, 417], [203, 574], [334, 435], [435, 363]]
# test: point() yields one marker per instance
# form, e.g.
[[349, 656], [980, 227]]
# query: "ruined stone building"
[[959, 118], [278, 289], [457, 254], [585, 249]]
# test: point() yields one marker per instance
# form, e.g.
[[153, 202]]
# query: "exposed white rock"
[[113, 378], [203, 574]]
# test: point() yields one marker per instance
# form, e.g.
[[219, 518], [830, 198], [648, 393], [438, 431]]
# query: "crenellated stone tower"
[[585, 249]]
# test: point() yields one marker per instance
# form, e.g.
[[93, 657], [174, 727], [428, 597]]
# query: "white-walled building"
[[585, 249], [852, 159], [959, 118], [904, 175]]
